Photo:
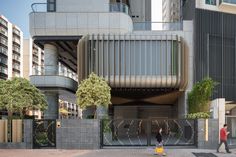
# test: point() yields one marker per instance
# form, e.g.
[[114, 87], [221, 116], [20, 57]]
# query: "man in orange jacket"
[[223, 138]]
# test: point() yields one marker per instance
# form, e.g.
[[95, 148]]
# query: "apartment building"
[[33, 58], [11, 49], [69, 110]]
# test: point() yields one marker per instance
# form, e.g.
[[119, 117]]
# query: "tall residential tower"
[[11, 49]]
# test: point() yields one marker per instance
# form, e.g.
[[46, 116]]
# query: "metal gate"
[[44, 134], [142, 132]]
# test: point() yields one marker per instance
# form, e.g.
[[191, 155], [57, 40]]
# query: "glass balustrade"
[[52, 70]]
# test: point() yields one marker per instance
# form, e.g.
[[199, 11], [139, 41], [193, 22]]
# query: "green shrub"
[[198, 115], [199, 97]]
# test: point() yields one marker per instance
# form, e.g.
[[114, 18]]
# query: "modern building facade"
[[214, 43], [33, 64], [11, 49], [149, 71], [214, 51]]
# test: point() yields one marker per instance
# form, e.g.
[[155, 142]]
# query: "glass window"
[[51, 5], [211, 2]]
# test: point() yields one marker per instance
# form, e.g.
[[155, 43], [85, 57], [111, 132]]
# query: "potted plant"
[[94, 91]]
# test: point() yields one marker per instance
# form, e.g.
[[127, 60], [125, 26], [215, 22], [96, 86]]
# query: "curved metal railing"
[[113, 7], [39, 7]]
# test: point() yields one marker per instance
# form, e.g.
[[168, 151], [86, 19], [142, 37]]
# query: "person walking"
[[159, 136], [159, 150], [223, 138]]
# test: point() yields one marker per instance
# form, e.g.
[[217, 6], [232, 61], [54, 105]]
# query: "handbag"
[[159, 150]]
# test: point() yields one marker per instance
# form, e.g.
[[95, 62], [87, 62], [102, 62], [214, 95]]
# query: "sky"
[[17, 12]]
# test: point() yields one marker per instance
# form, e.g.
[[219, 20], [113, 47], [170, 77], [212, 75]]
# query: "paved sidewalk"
[[144, 152]]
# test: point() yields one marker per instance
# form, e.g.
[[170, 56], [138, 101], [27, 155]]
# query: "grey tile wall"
[[213, 134], [78, 134]]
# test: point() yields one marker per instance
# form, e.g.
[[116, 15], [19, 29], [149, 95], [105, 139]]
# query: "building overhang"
[[78, 23]]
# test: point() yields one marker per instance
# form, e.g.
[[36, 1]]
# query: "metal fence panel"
[[142, 132], [44, 134]]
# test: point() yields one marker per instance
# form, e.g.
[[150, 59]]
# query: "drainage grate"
[[204, 155]]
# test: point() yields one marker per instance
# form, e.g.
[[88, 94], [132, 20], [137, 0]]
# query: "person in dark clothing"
[[159, 136], [159, 147]]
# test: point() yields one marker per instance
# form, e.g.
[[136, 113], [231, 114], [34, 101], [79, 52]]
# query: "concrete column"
[[52, 110], [182, 105], [51, 59], [217, 108], [233, 123]]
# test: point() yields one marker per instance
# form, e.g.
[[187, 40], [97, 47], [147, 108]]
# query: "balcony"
[[3, 31], [3, 22], [16, 32], [35, 59], [3, 70], [16, 57], [3, 41], [35, 53], [16, 67], [56, 80], [3, 60], [228, 5], [3, 50], [60, 71], [16, 49], [111, 18], [16, 40]]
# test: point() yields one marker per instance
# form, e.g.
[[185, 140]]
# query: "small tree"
[[18, 95], [93, 91], [199, 97]]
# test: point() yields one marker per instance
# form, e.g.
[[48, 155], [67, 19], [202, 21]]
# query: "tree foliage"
[[199, 97], [19, 94], [93, 91]]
